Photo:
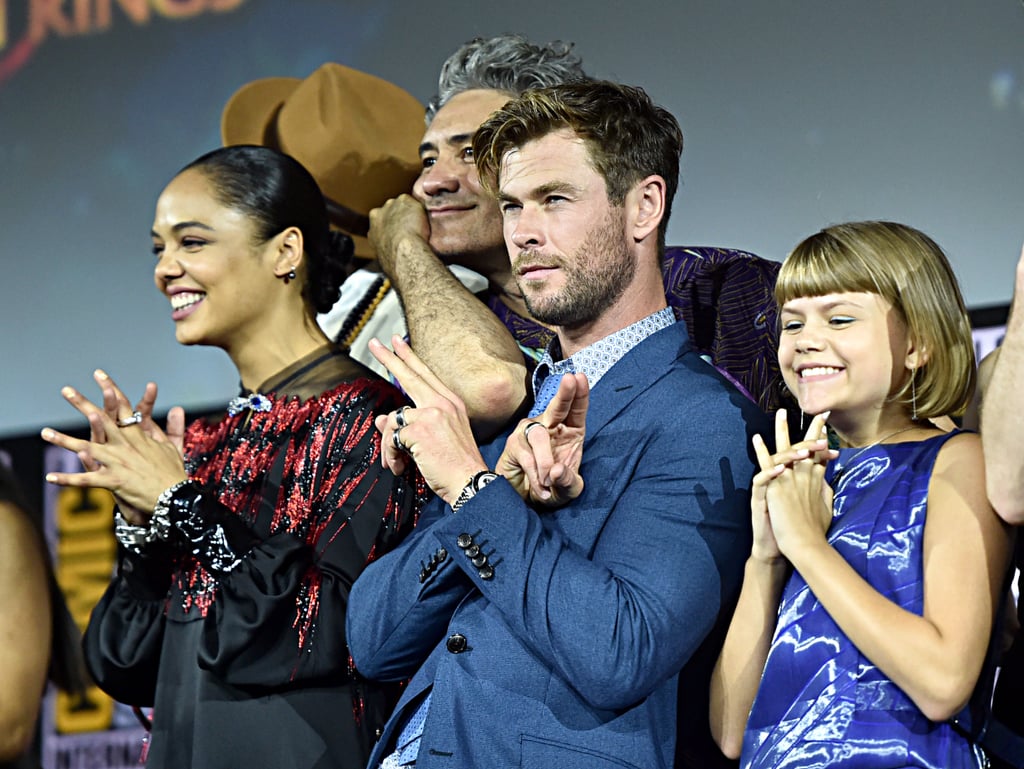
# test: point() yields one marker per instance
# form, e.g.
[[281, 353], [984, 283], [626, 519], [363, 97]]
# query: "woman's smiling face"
[[209, 264]]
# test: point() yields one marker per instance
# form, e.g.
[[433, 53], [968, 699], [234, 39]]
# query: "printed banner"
[[27, 25], [92, 732]]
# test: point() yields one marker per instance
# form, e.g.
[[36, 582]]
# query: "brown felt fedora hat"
[[356, 133]]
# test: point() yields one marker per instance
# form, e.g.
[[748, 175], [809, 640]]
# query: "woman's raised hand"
[[127, 453]]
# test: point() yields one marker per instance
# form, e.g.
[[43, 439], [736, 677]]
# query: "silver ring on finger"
[[530, 426], [134, 419], [396, 441], [400, 417]]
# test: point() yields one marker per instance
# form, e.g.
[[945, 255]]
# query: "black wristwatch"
[[477, 482]]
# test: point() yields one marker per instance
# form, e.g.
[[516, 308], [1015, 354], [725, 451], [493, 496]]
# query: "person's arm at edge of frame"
[[25, 627], [454, 333], [1002, 425]]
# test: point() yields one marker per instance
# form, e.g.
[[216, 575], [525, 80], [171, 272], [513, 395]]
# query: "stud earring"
[[290, 276]]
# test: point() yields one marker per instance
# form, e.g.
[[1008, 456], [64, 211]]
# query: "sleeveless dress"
[[821, 702]]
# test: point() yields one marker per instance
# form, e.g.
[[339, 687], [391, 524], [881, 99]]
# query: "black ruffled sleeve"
[[125, 633]]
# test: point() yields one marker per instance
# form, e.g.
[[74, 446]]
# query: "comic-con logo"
[[28, 24]]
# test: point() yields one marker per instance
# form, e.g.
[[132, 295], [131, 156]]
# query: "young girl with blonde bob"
[[869, 595]]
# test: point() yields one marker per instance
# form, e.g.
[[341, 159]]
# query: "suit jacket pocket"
[[540, 753]]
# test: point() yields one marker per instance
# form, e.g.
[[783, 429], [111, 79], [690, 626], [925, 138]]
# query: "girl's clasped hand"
[[789, 496]]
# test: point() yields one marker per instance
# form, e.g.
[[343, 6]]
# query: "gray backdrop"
[[796, 113]]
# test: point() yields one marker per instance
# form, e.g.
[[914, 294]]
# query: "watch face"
[[482, 480]]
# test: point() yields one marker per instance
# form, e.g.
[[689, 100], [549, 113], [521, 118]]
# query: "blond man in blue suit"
[[547, 602]]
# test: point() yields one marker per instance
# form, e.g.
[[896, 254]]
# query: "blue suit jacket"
[[554, 639]]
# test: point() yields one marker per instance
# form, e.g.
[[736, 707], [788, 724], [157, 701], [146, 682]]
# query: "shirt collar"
[[595, 360]]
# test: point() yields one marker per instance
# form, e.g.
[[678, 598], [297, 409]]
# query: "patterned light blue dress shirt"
[[595, 360]]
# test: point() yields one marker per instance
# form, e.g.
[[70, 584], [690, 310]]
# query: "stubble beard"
[[596, 276]]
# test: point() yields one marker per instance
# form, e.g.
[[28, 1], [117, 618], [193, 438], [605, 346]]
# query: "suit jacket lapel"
[[636, 371]]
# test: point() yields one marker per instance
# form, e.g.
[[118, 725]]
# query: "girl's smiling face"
[[844, 352]]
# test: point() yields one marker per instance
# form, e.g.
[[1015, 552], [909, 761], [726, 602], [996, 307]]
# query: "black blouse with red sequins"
[[177, 632]]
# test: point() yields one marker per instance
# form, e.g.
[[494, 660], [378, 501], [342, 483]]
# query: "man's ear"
[[647, 201], [289, 249]]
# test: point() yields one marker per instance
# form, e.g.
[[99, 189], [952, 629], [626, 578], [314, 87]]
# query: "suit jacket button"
[[473, 551], [464, 541], [441, 555], [456, 643], [486, 572], [480, 560]]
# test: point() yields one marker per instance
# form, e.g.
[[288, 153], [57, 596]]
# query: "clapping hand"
[[127, 453], [791, 466]]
